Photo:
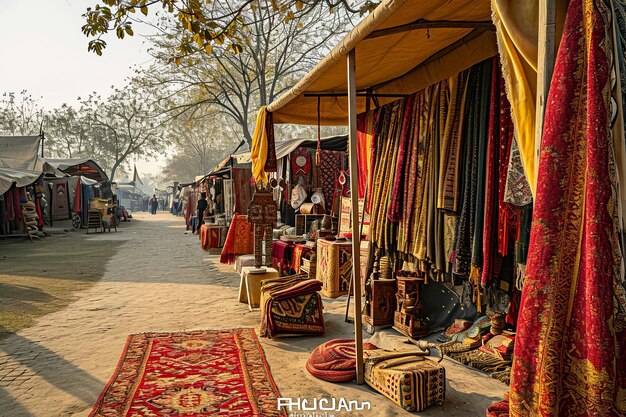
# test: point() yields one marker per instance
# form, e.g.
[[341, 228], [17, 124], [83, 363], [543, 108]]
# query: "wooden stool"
[[94, 220]]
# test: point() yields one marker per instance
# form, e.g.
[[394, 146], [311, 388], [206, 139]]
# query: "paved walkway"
[[160, 280]]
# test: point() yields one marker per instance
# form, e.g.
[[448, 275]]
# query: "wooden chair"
[[94, 220]]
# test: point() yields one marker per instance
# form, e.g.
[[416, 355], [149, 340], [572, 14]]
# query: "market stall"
[[17, 186], [450, 128]]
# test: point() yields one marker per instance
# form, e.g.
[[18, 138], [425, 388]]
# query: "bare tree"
[[200, 143], [125, 124], [276, 54], [20, 114]]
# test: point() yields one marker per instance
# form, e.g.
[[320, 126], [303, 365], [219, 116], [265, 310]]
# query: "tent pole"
[[354, 197], [545, 67]]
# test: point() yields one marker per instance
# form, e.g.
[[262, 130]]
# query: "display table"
[[250, 285], [282, 253], [334, 266], [212, 236]]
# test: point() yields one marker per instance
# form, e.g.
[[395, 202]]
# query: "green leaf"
[[144, 10]]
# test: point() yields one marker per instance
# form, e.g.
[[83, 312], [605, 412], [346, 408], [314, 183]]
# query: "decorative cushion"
[[335, 360]]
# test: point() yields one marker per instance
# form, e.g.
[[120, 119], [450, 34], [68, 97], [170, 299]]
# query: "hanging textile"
[[521, 245], [619, 12], [395, 208], [464, 236], [618, 95], [77, 193], [498, 218], [435, 264], [517, 190], [301, 166], [411, 175], [331, 164], [261, 147], [271, 164], [451, 143], [364, 136], [489, 78], [571, 337], [242, 191], [516, 32], [427, 117], [388, 129]]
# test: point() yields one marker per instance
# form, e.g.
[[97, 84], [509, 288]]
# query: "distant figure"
[[202, 206], [154, 204]]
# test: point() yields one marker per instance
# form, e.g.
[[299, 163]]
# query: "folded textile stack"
[[291, 305]]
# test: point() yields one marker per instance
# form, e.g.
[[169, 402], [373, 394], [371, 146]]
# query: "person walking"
[[154, 204], [202, 206]]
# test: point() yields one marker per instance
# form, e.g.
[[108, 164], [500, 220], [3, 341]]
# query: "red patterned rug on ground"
[[195, 373]]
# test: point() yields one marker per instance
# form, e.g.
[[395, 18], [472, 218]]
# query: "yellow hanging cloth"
[[516, 29], [517, 34], [258, 150]]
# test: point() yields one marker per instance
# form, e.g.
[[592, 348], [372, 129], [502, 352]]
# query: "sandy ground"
[[159, 279]]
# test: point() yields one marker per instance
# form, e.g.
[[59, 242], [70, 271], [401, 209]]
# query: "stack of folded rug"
[[291, 305]]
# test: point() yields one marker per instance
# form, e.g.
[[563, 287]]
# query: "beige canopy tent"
[[393, 57], [404, 46]]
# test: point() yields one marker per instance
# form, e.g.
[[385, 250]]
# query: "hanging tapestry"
[[301, 166], [242, 190], [331, 163], [517, 190], [395, 209], [60, 201], [239, 240], [404, 237], [384, 172], [364, 137], [271, 164], [498, 216], [451, 143], [474, 114], [571, 337], [420, 207], [434, 259], [488, 80]]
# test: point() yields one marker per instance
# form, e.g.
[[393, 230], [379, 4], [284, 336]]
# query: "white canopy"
[[19, 177], [20, 152]]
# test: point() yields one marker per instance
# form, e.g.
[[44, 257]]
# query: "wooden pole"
[[356, 235], [545, 67]]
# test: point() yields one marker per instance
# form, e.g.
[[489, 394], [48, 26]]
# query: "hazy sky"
[[43, 50]]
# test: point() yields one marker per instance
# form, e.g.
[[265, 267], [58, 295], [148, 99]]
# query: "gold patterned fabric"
[[571, 337], [409, 380]]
